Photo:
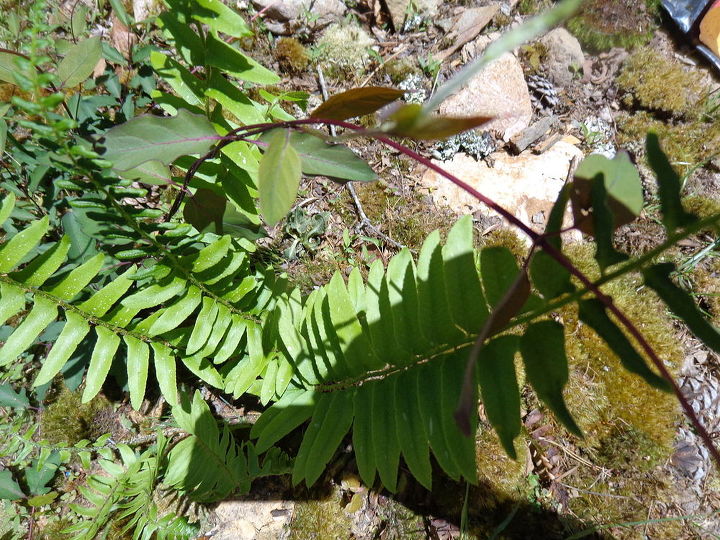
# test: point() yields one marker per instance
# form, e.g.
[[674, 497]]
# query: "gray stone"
[[564, 54], [499, 91], [398, 10], [283, 17]]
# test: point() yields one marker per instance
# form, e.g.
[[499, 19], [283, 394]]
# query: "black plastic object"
[[687, 14]]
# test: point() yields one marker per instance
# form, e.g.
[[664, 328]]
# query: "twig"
[[365, 222]]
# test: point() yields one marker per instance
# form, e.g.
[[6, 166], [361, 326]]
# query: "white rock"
[[563, 54], [525, 185], [498, 91]]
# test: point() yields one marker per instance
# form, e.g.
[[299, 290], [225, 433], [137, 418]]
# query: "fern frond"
[[386, 357], [194, 304], [210, 464]]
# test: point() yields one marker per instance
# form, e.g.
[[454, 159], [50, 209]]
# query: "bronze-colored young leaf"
[[669, 185], [278, 178], [356, 102], [411, 121]]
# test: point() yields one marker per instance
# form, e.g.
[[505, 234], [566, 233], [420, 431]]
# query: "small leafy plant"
[[166, 291]]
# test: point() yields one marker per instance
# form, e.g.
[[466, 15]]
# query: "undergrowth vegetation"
[[135, 283]]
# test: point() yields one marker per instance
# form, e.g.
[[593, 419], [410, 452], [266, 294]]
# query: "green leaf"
[[410, 431], [411, 121], [138, 355], [320, 158], [622, 183], [220, 18], [101, 302], [42, 500], [175, 314], [9, 398], [604, 226], [681, 304], [75, 329], [323, 436], [543, 351], [550, 277], [669, 185], [278, 178], [100, 362], [294, 408], [233, 62], [184, 83], [44, 266], [79, 62], [9, 488], [499, 389], [165, 372], [152, 173], [13, 300], [7, 67], [385, 444], [205, 210], [78, 279], [21, 244], [592, 313], [37, 477], [119, 10], [8, 204], [148, 138], [42, 314], [356, 102], [3, 135]]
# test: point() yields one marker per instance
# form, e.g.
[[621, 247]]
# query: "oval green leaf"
[[279, 178]]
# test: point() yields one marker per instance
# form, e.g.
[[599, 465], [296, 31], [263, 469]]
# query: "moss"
[[67, 420], [627, 406], [292, 55], [320, 519], [702, 206], [603, 24], [686, 142], [657, 83], [530, 7], [508, 238], [507, 476], [398, 69], [706, 283], [343, 50]]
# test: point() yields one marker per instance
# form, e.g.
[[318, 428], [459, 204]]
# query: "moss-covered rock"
[[657, 83], [603, 24]]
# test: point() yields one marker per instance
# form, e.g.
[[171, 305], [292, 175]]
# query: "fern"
[[126, 494], [210, 464], [388, 358], [201, 302]]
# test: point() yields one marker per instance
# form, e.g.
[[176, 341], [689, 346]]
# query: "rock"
[[399, 8], [467, 26], [498, 91], [564, 54], [283, 17], [252, 520], [526, 185]]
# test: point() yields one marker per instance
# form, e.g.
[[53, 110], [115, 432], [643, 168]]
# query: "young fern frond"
[[210, 464], [126, 493]]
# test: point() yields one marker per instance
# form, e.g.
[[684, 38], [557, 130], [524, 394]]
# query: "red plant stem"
[[537, 240]]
